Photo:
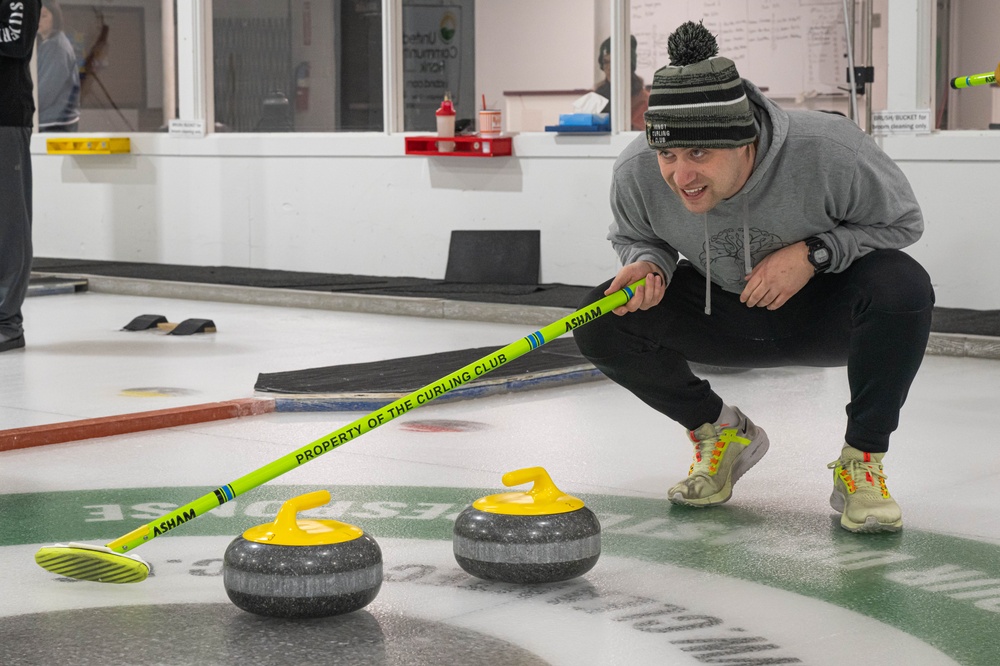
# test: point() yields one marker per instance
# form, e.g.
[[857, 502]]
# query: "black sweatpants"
[[15, 227], [874, 318]]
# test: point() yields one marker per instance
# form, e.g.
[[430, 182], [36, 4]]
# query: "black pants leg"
[[15, 227], [873, 317]]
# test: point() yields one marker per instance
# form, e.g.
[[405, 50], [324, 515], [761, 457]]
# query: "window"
[[966, 44], [535, 58], [100, 66], [439, 59], [297, 65]]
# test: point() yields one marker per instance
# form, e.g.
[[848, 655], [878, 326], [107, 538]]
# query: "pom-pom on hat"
[[698, 100]]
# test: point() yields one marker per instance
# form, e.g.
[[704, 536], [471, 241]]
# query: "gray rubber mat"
[[409, 374], [966, 322], [47, 286], [371, 385]]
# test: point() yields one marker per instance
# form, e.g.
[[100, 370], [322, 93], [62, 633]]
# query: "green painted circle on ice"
[[940, 589]]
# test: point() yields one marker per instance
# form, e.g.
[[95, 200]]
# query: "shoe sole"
[[871, 524], [751, 456], [12, 344]]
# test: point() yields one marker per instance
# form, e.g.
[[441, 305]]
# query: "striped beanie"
[[698, 100]]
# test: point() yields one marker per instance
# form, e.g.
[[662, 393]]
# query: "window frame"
[[195, 80]]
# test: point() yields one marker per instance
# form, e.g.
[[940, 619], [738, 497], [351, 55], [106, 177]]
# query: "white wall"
[[952, 174], [392, 215], [380, 214]]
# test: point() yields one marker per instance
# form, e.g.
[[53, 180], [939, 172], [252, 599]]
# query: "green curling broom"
[[984, 79], [115, 563]]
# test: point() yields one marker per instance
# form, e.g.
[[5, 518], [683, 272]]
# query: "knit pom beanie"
[[698, 100]]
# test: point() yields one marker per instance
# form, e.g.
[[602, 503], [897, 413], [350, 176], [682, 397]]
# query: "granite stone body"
[[524, 548], [302, 581]]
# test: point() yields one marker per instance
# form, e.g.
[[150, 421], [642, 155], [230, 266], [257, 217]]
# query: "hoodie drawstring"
[[708, 267], [747, 259], [746, 235]]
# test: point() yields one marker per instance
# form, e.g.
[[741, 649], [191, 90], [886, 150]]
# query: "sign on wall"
[[902, 122], [438, 59]]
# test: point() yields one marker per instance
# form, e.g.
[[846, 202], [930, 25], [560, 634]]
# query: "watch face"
[[821, 255]]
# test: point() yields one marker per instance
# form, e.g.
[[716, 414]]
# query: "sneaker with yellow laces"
[[860, 495], [722, 454]]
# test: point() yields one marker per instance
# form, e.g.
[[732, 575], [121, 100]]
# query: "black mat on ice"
[[553, 295], [966, 322], [47, 286], [405, 375], [945, 320]]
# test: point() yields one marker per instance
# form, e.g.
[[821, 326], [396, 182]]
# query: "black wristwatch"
[[819, 254]]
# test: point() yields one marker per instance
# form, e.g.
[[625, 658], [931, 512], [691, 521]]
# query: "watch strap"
[[817, 251]]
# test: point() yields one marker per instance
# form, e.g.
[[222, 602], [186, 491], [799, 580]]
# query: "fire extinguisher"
[[302, 87]]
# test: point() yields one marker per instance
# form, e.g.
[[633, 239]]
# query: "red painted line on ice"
[[107, 426]]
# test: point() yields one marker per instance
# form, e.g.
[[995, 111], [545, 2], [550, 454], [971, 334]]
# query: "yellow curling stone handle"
[[287, 530], [543, 499]]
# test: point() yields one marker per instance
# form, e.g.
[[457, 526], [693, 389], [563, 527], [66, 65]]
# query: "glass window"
[[795, 52], [966, 45], [297, 65], [541, 56], [100, 66], [535, 58], [439, 59]]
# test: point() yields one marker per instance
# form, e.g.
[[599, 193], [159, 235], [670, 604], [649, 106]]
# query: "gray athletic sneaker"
[[721, 456], [859, 493]]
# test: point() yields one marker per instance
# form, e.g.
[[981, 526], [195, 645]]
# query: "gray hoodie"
[[815, 174], [58, 82]]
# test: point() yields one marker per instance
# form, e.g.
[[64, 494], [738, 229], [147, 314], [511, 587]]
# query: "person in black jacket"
[[640, 96], [18, 28]]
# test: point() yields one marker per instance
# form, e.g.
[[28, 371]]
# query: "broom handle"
[[983, 79], [360, 426]]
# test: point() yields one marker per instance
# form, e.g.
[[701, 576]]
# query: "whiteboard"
[[791, 48]]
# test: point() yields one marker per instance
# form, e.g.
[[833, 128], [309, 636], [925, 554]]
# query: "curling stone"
[[538, 536], [302, 568]]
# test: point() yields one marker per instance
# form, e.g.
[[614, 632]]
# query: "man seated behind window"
[[640, 96]]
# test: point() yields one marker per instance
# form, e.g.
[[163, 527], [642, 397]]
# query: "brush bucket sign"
[[901, 122]]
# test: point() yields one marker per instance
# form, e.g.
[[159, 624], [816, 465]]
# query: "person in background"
[[791, 224], [640, 96], [18, 26], [58, 74]]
